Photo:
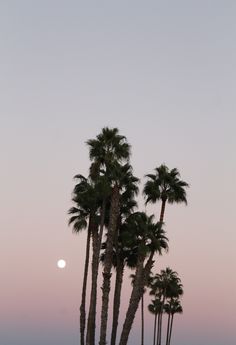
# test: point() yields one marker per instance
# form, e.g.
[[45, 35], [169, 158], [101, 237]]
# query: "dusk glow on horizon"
[[164, 73]]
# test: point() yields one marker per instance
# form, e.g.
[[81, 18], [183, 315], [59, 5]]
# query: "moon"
[[61, 263]]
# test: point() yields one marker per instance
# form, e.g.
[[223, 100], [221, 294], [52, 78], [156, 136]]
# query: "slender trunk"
[[158, 329], [84, 287], [160, 326], [171, 327], [163, 205], [168, 329], [141, 277], [136, 295], [90, 336], [97, 238], [112, 228], [142, 320], [160, 335], [116, 301], [155, 329]]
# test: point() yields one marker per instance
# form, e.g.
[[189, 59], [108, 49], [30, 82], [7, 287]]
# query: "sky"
[[164, 73]]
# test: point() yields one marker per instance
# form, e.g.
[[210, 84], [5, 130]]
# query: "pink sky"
[[164, 74]]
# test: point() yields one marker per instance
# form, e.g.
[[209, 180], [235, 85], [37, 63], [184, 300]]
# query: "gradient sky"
[[164, 73]]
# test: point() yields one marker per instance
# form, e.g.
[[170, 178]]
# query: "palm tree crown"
[[108, 148], [85, 201], [165, 185]]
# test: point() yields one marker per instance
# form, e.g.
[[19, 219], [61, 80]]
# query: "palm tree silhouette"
[[121, 175], [171, 308], [164, 285], [155, 308], [85, 200], [150, 238], [165, 185], [125, 254], [107, 152]]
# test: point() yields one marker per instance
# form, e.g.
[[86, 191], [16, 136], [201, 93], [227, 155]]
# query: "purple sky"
[[164, 73]]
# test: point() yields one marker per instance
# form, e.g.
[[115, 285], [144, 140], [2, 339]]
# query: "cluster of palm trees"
[[166, 288], [105, 205]]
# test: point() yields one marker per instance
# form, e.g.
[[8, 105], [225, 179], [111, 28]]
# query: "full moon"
[[61, 263]]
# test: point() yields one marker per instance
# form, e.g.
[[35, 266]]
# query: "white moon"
[[61, 263]]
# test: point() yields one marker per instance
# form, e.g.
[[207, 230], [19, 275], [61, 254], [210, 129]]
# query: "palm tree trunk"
[[158, 329], [141, 277], [155, 329], [112, 228], [116, 300], [168, 329], [84, 287], [171, 327], [133, 303], [142, 320], [160, 320], [97, 238], [163, 205], [90, 336]]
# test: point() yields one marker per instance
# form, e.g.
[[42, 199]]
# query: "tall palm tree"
[[121, 177], [175, 291], [173, 307], [82, 213], [124, 255], [155, 308], [150, 239], [102, 190], [165, 185], [107, 149], [167, 310]]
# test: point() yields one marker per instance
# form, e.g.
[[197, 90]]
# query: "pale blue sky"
[[164, 73]]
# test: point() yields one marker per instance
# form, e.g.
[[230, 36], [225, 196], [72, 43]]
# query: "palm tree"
[[173, 307], [155, 308], [175, 291], [165, 185], [107, 149], [121, 177], [150, 238], [102, 190], [163, 286], [167, 310], [124, 255], [85, 207]]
